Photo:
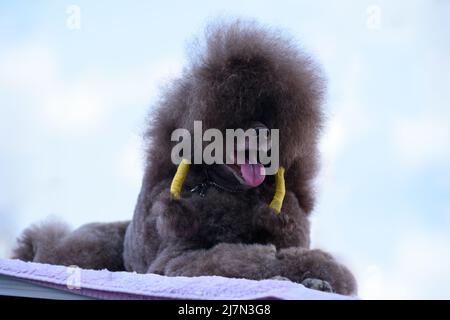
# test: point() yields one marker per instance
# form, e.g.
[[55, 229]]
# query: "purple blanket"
[[104, 284]]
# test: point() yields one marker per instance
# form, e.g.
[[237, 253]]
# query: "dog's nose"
[[259, 128], [257, 125], [263, 134], [257, 139]]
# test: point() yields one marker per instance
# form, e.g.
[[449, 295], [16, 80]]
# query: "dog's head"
[[247, 77]]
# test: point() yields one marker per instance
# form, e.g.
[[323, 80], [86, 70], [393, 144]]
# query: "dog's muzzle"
[[183, 169]]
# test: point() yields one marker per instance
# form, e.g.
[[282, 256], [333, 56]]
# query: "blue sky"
[[73, 104]]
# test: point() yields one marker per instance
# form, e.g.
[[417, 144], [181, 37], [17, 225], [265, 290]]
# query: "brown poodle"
[[245, 77]]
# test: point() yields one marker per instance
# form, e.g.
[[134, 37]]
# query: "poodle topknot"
[[242, 75]]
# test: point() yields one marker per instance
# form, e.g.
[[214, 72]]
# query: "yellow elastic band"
[[280, 191], [178, 179]]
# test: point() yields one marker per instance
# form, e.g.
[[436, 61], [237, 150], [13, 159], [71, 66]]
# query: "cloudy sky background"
[[73, 104]]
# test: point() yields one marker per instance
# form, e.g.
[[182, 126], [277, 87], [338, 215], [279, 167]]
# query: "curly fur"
[[244, 72], [92, 246]]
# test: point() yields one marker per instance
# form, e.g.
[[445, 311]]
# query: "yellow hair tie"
[[178, 179], [183, 169], [280, 191]]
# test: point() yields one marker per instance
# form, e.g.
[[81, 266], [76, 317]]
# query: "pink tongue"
[[253, 174]]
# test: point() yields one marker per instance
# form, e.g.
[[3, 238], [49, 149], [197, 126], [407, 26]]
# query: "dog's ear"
[[158, 142], [299, 179]]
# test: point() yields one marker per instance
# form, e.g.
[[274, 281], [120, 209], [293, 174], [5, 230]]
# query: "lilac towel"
[[129, 285]]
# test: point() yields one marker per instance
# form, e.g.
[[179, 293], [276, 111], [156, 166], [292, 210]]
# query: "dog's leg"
[[288, 228], [92, 246], [228, 260], [316, 269], [282, 230], [257, 262]]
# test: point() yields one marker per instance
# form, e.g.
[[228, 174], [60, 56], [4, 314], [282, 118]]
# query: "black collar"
[[208, 182]]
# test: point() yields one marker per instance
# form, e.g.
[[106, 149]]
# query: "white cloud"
[[79, 104], [136, 86], [418, 269], [33, 73], [335, 136], [28, 68], [348, 119], [73, 108], [130, 161], [422, 139]]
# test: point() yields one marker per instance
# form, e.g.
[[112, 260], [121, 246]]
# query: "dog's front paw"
[[301, 264], [280, 278], [175, 218], [317, 284], [268, 219]]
